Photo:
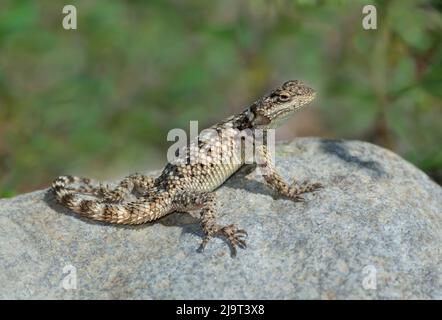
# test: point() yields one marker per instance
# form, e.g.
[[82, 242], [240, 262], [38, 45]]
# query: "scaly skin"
[[188, 183]]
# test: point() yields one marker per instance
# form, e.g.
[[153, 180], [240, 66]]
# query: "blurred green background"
[[98, 101]]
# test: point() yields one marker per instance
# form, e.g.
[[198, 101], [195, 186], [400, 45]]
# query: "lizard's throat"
[[280, 118]]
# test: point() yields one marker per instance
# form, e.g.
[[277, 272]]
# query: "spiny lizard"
[[186, 185]]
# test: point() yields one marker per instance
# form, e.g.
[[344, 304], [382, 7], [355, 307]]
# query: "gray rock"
[[374, 231]]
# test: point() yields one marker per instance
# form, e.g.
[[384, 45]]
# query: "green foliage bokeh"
[[100, 100]]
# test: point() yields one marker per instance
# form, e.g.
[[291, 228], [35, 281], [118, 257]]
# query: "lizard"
[[185, 185]]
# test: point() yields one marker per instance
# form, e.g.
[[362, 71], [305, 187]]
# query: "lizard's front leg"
[[206, 201], [277, 183]]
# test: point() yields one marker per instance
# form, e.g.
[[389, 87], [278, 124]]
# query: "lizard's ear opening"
[[254, 116], [261, 120], [250, 113]]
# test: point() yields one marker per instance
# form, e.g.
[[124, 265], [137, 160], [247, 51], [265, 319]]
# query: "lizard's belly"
[[215, 176]]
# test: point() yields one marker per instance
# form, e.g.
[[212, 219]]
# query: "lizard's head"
[[279, 105]]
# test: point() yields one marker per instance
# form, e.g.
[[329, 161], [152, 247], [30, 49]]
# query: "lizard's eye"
[[284, 96]]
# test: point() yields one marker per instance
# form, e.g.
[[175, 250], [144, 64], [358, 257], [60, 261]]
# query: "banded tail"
[[135, 212]]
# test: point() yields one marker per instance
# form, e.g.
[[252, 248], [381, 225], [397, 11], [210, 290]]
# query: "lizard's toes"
[[307, 186], [298, 199], [203, 244], [317, 185], [234, 236]]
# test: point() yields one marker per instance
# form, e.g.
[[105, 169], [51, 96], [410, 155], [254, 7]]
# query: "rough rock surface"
[[374, 231]]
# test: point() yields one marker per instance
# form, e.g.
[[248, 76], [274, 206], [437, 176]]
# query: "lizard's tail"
[[135, 212]]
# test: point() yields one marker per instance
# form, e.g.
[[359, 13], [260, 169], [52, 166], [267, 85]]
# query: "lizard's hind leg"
[[206, 201], [142, 184]]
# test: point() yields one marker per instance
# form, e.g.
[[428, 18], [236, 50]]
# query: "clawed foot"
[[298, 199], [297, 189], [233, 235], [310, 187]]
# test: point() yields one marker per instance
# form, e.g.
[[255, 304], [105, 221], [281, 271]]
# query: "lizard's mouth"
[[280, 116], [283, 113], [287, 111]]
